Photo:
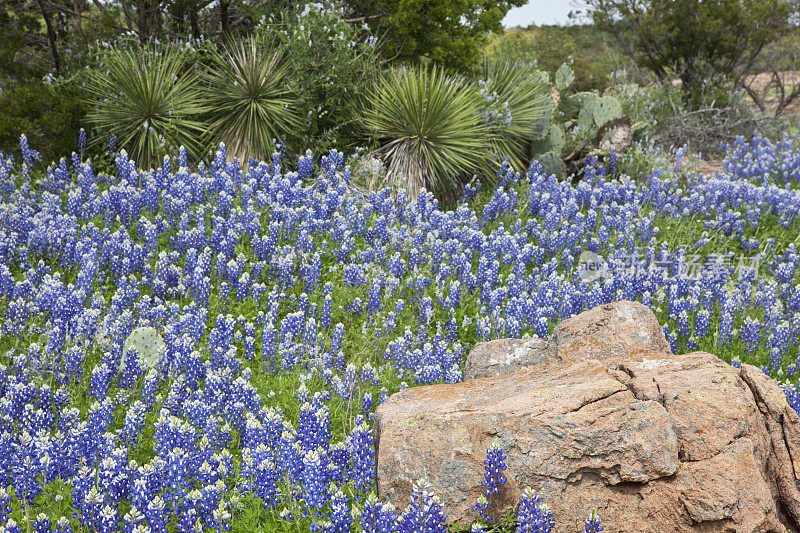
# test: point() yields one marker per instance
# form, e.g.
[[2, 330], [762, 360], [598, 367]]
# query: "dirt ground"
[[764, 82]]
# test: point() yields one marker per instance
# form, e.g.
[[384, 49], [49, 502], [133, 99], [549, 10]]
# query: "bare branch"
[[356, 20]]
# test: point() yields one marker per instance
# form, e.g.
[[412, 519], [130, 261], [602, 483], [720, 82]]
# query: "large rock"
[[608, 330], [505, 356], [655, 442]]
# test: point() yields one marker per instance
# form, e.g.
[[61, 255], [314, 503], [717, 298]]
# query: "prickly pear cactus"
[[572, 104], [605, 109], [551, 164], [147, 342], [541, 125], [552, 142], [564, 77], [586, 121], [572, 126]]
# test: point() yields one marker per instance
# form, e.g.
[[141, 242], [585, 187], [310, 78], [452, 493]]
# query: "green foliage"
[[50, 116], [704, 43], [514, 99], [330, 69], [541, 126], [564, 77], [427, 125], [586, 113], [662, 115], [551, 163], [249, 104], [448, 32], [590, 55], [552, 142], [18, 21], [149, 99]]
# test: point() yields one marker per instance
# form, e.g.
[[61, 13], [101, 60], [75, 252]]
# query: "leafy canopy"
[[448, 32], [695, 40]]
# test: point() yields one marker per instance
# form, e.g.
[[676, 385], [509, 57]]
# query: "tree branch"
[[365, 18]]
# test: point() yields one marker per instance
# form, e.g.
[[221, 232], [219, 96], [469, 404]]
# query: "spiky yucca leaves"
[[522, 87], [429, 128], [248, 101], [148, 98]]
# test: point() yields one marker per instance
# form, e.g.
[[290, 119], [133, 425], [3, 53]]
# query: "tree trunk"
[[224, 17], [149, 19], [76, 5], [194, 20], [51, 36]]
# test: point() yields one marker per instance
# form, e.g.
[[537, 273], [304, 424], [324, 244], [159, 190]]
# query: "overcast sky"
[[540, 12]]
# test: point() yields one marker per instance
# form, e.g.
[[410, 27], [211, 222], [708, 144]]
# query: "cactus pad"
[[552, 164], [541, 125], [564, 77], [586, 116], [552, 142], [605, 109], [147, 342]]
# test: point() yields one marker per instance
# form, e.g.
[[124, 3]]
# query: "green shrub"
[[331, 67], [671, 120], [514, 96], [248, 101], [50, 116], [149, 99], [590, 54], [429, 128]]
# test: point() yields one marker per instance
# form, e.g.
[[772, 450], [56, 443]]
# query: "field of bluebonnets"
[[291, 306]]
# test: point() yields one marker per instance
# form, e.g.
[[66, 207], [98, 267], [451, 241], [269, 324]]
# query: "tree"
[[701, 42], [22, 42], [588, 53], [775, 84], [449, 32]]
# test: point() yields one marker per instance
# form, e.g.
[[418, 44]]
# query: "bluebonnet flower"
[[12, 527], [314, 480], [494, 465], [5, 505], [29, 155], [340, 516], [370, 514], [423, 512], [107, 521], [82, 141], [532, 515], [63, 526], [593, 524], [360, 444], [177, 249], [41, 524]]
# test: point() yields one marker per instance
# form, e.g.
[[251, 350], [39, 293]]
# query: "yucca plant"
[[148, 98], [429, 128], [249, 104], [513, 96]]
